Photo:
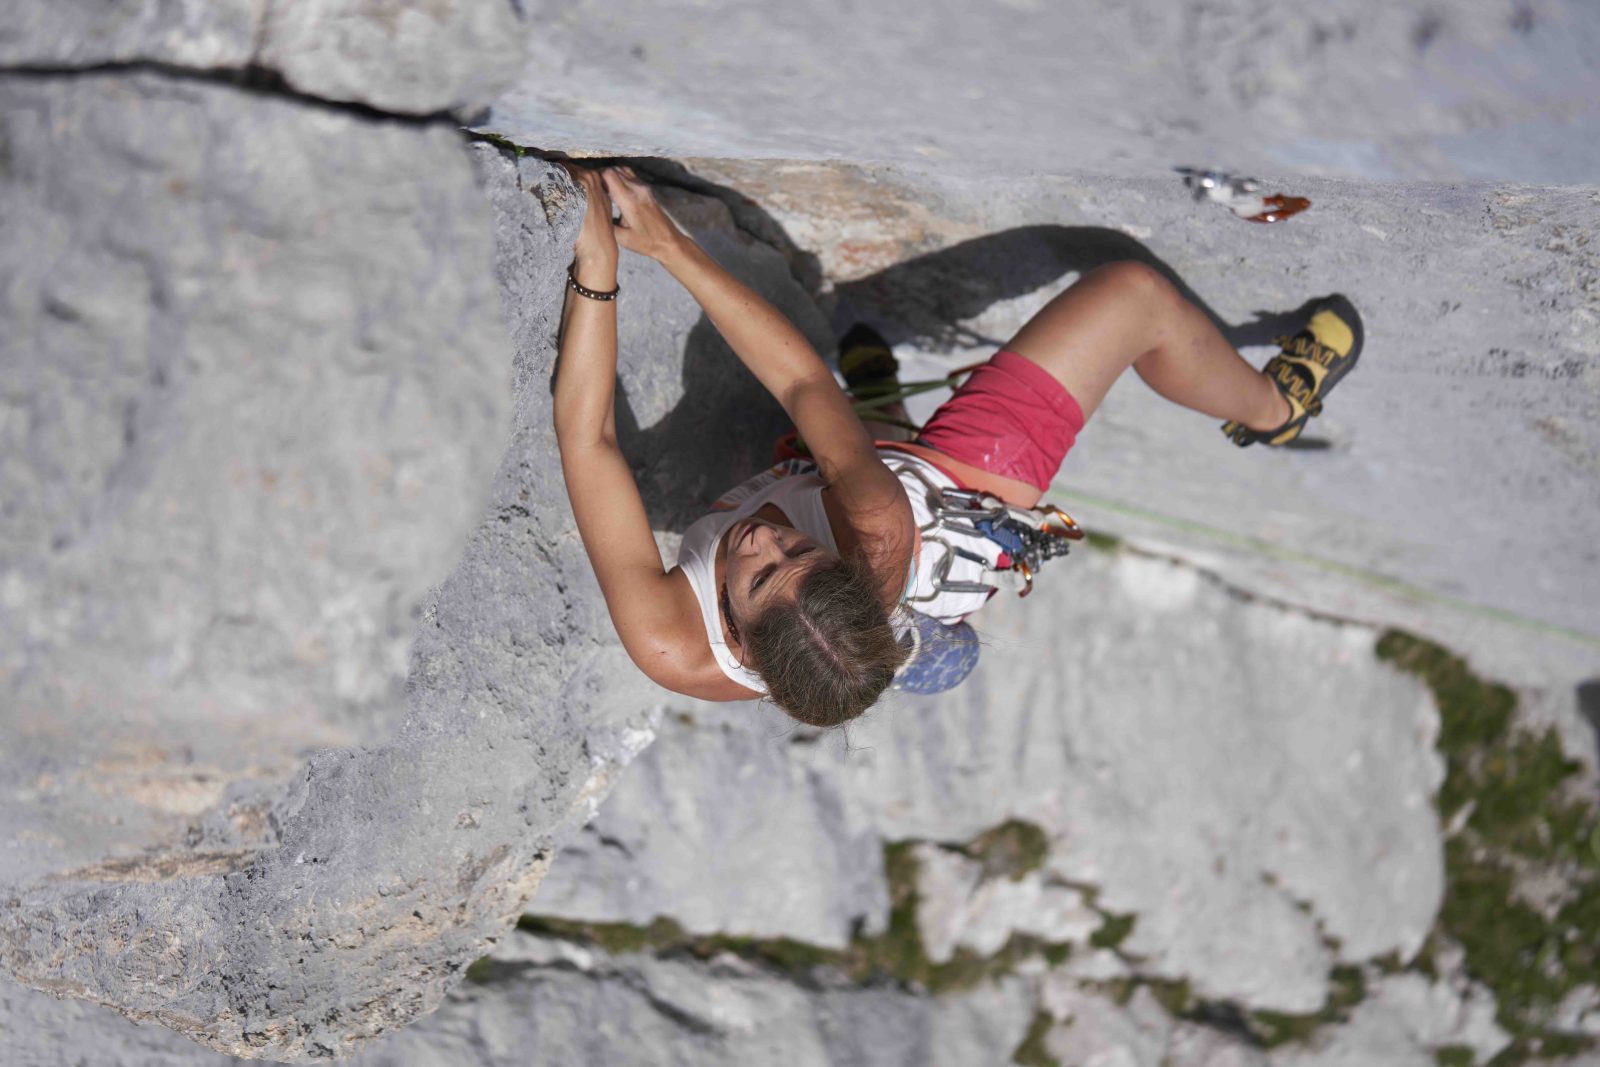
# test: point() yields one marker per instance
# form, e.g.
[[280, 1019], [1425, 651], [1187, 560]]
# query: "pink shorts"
[[1010, 418]]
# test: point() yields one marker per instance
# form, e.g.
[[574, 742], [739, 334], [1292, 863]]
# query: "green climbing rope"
[[1386, 582]]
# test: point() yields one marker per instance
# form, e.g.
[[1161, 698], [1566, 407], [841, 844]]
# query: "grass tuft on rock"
[[1013, 850], [1347, 987], [1523, 826], [503, 143], [1113, 932], [1032, 1052], [896, 955]]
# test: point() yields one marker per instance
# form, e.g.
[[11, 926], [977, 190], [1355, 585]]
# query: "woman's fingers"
[[599, 196], [617, 184], [621, 195], [643, 227]]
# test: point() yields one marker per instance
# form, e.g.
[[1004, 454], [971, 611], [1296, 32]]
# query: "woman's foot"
[[870, 369], [867, 362], [1310, 364]]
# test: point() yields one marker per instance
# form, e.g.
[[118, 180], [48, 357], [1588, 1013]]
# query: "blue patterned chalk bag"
[[941, 654]]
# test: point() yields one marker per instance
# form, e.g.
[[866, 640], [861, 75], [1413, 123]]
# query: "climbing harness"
[[1026, 537], [941, 654]]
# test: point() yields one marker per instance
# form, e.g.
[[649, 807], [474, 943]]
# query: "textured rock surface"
[[1093, 1028], [255, 378], [394, 55], [78, 33], [391, 55], [1403, 1020], [282, 454], [574, 1004], [547, 1002], [1213, 799], [961, 905], [1479, 89]]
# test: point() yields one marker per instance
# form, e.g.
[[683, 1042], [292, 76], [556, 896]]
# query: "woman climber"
[[814, 582]]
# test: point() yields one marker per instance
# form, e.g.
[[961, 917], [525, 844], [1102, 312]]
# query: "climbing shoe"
[[1310, 364], [866, 362]]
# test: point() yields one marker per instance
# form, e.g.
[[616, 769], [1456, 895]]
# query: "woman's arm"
[[659, 625], [789, 368]]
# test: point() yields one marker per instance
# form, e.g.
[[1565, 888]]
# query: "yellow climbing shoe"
[[1307, 368]]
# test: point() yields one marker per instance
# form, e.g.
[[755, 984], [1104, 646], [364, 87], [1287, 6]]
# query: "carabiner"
[[1070, 528]]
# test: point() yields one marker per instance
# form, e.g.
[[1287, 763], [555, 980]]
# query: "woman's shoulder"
[[682, 660]]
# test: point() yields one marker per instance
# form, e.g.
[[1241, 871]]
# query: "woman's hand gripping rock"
[[643, 226], [595, 251]]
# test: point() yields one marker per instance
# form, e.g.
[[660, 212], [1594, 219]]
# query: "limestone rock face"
[[393, 54], [571, 1004], [388, 54], [1025, 88], [1212, 800], [186, 33], [256, 378], [260, 379], [306, 686], [548, 1001]]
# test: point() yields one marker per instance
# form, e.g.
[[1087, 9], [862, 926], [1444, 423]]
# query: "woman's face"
[[765, 564]]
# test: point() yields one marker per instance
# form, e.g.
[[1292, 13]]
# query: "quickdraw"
[[1027, 537]]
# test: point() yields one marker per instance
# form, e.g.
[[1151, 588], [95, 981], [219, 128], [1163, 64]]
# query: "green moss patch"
[[1032, 1052], [896, 955], [1011, 850], [1522, 825], [1347, 987], [505, 144], [667, 937], [1113, 932]]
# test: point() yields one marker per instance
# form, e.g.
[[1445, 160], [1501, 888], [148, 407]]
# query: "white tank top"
[[795, 489]]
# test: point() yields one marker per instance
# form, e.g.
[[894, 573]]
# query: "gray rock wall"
[[418, 59], [304, 680], [373, 875], [1479, 89], [242, 439], [258, 381], [1264, 825]]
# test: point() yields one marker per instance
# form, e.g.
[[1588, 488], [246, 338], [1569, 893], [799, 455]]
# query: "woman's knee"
[[1136, 280]]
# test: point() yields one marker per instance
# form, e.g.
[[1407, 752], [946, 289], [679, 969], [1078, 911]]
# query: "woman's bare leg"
[[1127, 315]]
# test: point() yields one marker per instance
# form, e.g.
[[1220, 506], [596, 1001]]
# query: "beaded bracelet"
[[572, 281]]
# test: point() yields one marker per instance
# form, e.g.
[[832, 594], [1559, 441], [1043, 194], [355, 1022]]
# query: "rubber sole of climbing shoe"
[[866, 362], [1307, 367]]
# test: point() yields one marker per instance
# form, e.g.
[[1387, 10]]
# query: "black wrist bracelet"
[[572, 282]]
